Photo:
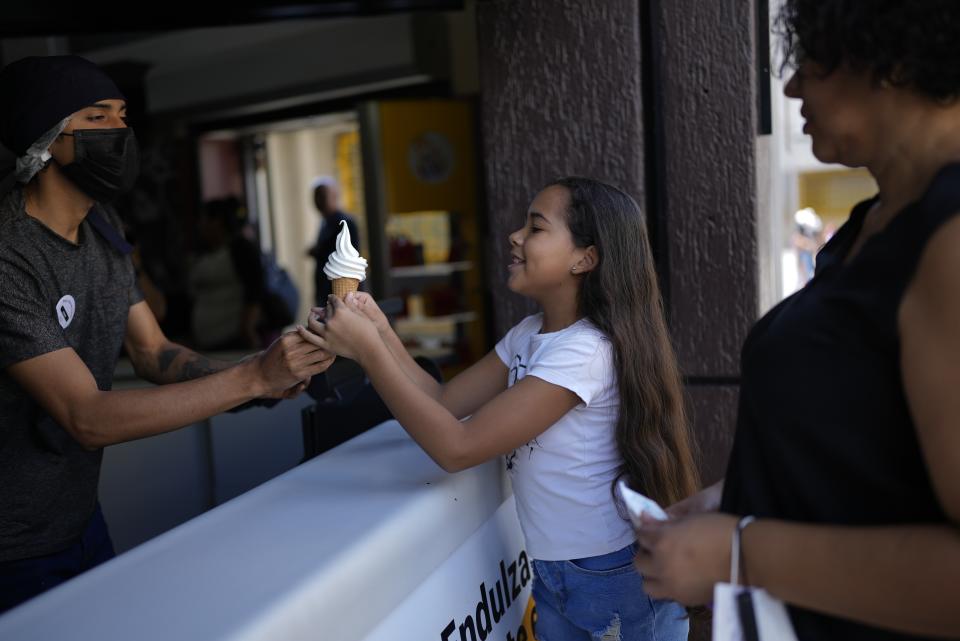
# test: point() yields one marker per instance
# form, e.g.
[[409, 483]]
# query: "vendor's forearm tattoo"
[[166, 358], [194, 366]]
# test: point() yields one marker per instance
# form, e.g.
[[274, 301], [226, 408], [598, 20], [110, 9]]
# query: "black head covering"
[[38, 92]]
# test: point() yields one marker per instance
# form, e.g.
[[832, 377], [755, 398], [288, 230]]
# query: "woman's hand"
[[342, 330], [683, 559], [706, 500]]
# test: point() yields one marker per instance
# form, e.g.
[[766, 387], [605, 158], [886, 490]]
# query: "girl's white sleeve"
[[581, 363], [508, 345]]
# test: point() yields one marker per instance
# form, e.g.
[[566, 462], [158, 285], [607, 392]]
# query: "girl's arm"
[[461, 396], [905, 577], [512, 418]]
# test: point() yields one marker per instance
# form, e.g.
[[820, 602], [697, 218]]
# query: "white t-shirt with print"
[[562, 478]]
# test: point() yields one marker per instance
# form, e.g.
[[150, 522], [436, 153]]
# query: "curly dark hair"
[[908, 43]]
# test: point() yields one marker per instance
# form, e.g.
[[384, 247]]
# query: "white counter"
[[151, 485], [325, 551]]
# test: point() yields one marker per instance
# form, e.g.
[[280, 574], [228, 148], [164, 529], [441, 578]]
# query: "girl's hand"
[[683, 559], [342, 331], [363, 302]]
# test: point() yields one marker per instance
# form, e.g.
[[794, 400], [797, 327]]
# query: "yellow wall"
[[833, 193], [443, 133], [403, 124]]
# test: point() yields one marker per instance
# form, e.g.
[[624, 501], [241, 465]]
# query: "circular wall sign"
[[431, 157]]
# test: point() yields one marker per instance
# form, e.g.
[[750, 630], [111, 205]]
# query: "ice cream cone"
[[343, 286], [345, 267]]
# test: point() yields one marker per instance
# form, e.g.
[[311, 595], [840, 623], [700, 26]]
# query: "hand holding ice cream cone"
[[342, 330], [345, 267]]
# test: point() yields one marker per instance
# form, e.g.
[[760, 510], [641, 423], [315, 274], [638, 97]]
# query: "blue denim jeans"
[[24, 579], [601, 598]]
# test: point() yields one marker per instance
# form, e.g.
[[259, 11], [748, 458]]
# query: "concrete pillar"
[[704, 94], [559, 94], [658, 97]]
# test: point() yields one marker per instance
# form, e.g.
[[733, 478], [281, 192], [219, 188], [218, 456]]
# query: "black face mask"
[[106, 162]]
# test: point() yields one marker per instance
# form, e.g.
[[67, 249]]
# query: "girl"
[[576, 397]]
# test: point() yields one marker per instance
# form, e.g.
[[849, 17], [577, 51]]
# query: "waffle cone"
[[343, 286]]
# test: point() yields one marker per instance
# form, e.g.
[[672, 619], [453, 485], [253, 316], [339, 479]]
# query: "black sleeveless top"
[[824, 433]]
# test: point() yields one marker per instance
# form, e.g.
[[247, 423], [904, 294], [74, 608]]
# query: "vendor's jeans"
[[601, 598], [24, 579]]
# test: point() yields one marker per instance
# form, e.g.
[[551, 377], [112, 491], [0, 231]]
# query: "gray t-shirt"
[[54, 294]]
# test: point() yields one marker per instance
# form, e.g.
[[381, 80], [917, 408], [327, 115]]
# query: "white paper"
[[638, 504]]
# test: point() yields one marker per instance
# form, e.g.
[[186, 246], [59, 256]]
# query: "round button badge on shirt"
[[66, 307]]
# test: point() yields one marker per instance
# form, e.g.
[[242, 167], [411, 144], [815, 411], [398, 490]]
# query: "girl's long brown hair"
[[622, 298]]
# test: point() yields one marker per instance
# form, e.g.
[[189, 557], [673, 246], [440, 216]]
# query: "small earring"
[[573, 270]]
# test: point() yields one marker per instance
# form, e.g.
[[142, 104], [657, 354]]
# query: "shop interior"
[[253, 111], [413, 160]]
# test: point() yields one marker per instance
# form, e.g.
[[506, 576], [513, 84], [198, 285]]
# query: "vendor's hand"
[[284, 369], [706, 500], [296, 390], [683, 559], [341, 330]]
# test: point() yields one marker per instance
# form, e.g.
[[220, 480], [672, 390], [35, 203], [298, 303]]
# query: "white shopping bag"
[[769, 613], [742, 613]]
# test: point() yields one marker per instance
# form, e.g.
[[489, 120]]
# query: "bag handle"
[[735, 549], [744, 600]]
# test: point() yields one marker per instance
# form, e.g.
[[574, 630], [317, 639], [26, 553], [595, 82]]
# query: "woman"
[[856, 486]]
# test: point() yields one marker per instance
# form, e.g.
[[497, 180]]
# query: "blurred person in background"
[[226, 281]]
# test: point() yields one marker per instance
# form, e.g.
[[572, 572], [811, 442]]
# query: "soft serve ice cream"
[[345, 267]]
